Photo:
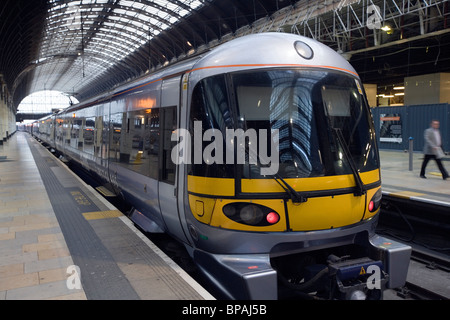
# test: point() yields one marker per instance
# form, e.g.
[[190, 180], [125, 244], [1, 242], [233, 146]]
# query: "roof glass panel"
[[88, 37]]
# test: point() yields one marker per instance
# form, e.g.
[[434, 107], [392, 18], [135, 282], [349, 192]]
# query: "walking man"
[[432, 149]]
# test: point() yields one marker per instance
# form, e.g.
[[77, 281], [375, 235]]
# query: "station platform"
[[59, 239], [398, 181]]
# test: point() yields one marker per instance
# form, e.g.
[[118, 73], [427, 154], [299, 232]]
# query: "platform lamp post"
[[411, 150]]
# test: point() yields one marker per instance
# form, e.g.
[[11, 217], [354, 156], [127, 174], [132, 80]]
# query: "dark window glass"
[[137, 146], [308, 107], [169, 124], [88, 135], [115, 136], [318, 114], [211, 109]]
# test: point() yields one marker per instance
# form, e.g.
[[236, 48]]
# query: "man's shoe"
[[423, 177]]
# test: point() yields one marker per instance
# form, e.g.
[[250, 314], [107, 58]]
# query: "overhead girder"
[[20, 25], [149, 38], [116, 50], [150, 34], [341, 26], [92, 33]]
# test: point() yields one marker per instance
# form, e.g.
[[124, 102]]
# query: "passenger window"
[[98, 136], [152, 139], [89, 135], [116, 132], [135, 141], [66, 131], [210, 107], [169, 118]]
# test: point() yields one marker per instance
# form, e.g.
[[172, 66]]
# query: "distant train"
[[262, 102]]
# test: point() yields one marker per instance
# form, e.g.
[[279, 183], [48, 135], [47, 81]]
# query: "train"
[[259, 156]]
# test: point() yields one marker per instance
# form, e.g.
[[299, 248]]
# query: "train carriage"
[[259, 156]]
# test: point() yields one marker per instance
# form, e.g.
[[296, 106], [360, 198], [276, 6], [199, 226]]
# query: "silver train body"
[[246, 231]]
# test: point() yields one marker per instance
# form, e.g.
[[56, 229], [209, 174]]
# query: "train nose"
[[326, 212]]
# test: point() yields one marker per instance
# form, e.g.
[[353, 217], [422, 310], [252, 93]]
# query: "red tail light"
[[371, 206], [272, 217], [375, 202]]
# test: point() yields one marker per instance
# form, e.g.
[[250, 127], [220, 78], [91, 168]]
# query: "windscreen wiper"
[[294, 195], [360, 189]]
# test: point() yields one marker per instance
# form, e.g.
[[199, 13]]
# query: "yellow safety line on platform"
[[102, 215], [406, 194], [436, 174]]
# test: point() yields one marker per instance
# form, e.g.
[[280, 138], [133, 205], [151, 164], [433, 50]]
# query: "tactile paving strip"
[[101, 277]]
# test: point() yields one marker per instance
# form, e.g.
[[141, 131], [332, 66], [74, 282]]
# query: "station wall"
[[396, 125]]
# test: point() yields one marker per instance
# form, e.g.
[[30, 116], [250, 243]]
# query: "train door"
[[168, 184], [103, 137], [114, 133]]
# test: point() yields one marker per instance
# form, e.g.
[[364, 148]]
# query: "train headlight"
[[375, 202], [304, 50], [251, 214]]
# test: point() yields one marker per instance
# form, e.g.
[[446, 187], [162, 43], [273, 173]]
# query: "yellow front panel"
[[326, 212], [301, 184], [318, 213], [211, 186], [202, 208], [308, 184], [220, 220]]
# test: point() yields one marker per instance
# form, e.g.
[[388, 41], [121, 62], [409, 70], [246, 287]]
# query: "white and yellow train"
[[309, 227]]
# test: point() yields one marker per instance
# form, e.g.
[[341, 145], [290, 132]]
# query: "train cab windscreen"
[[321, 117]]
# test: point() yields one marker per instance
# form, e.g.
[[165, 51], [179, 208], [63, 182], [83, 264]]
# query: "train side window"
[[152, 140], [135, 141], [88, 135], [169, 124], [80, 120], [58, 130], [114, 139], [136, 147], [211, 107], [75, 132], [66, 131], [98, 135]]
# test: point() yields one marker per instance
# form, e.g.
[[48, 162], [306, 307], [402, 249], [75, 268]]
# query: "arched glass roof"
[[86, 47], [82, 39]]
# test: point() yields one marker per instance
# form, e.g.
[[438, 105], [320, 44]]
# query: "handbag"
[[439, 153]]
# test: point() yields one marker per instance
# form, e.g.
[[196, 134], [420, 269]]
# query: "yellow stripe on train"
[[318, 213]]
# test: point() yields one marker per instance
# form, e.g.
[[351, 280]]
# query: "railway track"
[[412, 291], [422, 261], [426, 229], [429, 286]]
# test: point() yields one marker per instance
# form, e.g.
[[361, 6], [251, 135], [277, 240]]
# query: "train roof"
[[271, 50], [166, 72], [252, 51]]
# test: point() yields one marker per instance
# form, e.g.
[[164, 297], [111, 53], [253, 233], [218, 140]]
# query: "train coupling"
[[367, 278], [356, 279]]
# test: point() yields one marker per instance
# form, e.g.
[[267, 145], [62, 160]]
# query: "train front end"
[[283, 174]]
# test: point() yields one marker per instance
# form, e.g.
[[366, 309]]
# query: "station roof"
[[84, 47]]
